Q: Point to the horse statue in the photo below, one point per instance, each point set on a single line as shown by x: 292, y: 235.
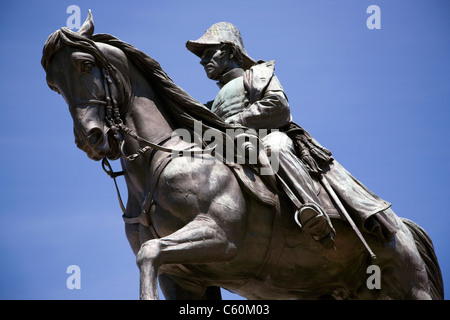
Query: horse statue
x: 192, y: 223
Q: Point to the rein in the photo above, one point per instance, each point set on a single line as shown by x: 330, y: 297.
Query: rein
x: 114, y: 83
x: 116, y: 124
x: 120, y: 130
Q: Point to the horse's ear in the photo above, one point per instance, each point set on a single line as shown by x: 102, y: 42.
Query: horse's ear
x: 87, y: 29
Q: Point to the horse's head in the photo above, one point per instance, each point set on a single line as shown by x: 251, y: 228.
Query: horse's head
x: 89, y: 75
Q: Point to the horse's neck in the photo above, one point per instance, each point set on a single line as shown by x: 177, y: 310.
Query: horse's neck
x: 146, y: 118
x: 146, y: 114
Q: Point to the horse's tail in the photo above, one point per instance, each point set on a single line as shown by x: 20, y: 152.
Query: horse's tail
x: 426, y: 250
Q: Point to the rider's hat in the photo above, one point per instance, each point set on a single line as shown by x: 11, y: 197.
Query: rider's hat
x: 222, y: 32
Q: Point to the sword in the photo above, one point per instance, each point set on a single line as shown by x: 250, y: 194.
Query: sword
x: 338, y: 202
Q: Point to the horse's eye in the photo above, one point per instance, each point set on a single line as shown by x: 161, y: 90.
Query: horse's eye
x: 87, y: 67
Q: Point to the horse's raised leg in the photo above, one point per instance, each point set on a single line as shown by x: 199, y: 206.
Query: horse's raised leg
x: 200, y: 241
x: 204, y: 199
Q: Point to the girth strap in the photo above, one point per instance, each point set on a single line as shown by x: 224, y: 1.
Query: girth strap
x: 145, y: 217
x: 109, y: 171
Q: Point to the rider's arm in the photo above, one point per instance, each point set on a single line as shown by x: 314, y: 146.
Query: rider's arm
x: 270, y: 112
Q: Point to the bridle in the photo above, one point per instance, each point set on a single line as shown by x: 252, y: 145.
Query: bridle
x: 120, y: 130
x: 113, y: 81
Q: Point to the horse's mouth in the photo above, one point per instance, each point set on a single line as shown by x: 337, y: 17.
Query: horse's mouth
x: 101, y: 145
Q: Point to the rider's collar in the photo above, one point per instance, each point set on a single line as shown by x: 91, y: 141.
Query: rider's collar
x: 230, y: 75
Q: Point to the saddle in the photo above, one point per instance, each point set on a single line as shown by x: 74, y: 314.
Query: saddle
x: 263, y: 191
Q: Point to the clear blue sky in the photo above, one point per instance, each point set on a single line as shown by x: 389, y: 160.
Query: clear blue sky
x: 379, y: 99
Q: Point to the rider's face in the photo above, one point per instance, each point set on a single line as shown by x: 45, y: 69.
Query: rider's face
x: 215, y: 61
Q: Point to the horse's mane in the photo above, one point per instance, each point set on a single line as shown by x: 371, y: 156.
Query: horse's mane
x: 183, y: 109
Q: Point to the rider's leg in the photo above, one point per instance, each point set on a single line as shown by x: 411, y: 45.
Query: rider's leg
x: 312, y: 217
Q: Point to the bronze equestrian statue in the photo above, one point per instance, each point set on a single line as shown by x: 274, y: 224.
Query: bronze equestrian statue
x: 197, y: 221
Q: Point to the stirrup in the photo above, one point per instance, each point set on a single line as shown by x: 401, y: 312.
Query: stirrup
x: 311, y: 218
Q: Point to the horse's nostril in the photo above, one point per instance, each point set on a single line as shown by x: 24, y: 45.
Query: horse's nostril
x: 94, y: 136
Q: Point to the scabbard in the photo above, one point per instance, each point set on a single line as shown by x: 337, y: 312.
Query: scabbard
x: 323, y: 180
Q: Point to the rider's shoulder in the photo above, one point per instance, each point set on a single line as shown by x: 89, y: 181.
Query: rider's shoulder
x: 261, y: 65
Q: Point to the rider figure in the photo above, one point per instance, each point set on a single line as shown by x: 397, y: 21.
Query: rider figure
x: 251, y: 95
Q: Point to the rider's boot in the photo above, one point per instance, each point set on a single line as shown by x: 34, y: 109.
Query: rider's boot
x: 312, y: 219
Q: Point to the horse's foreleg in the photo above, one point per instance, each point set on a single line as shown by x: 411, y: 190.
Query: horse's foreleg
x: 200, y: 241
